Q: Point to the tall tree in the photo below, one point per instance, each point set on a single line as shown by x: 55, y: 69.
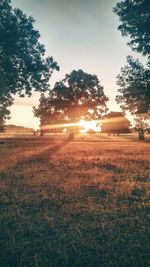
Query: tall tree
x: 134, y: 17
x: 134, y: 79
x: 79, y: 95
x: 5, y: 102
x: 23, y: 65
x: 47, y: 111
x: 142, y: 124
x: 134, y: 83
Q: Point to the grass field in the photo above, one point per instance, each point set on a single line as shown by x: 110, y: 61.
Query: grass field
x: 73, y: 204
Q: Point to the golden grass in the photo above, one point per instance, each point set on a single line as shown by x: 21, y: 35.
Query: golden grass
x: 74, y: 204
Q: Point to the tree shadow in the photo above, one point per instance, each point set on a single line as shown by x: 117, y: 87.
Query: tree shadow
x: 40, y: 157
x: 47, y: 153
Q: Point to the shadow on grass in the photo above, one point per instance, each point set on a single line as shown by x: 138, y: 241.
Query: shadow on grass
x: 39, y: 156
x: 45, y: 235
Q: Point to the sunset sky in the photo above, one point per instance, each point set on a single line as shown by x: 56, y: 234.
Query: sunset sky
x: 79, y: 34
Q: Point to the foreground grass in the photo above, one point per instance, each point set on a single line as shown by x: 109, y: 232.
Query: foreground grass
x: 74, y: 204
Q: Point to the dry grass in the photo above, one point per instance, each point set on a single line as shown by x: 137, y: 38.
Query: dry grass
x: 75, y: 204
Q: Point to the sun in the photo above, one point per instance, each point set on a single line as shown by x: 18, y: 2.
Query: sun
x: 89, y: 125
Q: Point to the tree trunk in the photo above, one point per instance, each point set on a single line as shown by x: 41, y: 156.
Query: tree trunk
x: 71, y: 136
x: 141, y: 136
x: 41, y: 133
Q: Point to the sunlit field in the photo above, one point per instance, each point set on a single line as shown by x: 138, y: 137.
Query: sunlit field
x: 84, y: 203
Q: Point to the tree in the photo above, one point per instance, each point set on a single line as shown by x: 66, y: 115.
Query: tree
x: 134, y: 79
x: 4, y: 111
x: 4, y: 114
x: 134, y: 16
x: 134, y: 83
x: 78, y: 95
x: 23, y: 65
x: 142, y: 124
x: 115, y: 123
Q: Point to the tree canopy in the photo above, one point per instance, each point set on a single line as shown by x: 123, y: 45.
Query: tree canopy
x: 23, y: 64
x: 134, y: 83
x: 78, y: 95
x: 134, y: 18
x: 134, y: 78
x: 142, y: 122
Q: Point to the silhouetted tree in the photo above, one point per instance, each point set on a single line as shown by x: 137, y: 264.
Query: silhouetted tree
x: 23, y: 65
x: 134, y: 17
x: 78, y: 95
x: 134, y: 79
x: 4, y: 112
x: 134, y: 83
x: 47, y: 112
x: 142, y: 124
x: 115, y: 123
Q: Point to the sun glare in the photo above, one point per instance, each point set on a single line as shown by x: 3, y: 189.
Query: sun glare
x: 89, y: 125
x: 83, y: 124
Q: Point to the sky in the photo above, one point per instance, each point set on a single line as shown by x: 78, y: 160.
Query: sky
x: 79, y: 34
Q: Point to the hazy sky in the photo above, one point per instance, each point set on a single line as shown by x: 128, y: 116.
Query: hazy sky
x: 78, y: 34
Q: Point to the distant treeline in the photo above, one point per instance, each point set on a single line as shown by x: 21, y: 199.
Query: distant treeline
x: 14, y: 129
